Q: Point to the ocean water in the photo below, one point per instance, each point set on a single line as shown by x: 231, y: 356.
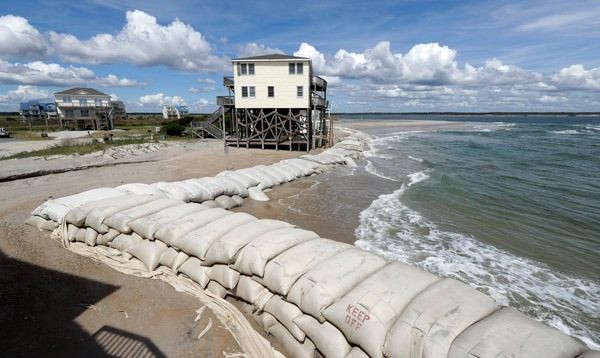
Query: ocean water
x: 509, y: 205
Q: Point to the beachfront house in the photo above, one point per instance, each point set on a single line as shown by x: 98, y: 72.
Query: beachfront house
x: 87, y: 108
x: 36, y: 110
x: 171, y: 112
x: 274, y: 101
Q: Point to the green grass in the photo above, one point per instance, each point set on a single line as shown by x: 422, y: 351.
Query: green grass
x: 68, y: 147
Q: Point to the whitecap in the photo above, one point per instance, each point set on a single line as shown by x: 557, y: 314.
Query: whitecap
x: 415, y: 159
x: 392, y: 229
x: 567, y: 131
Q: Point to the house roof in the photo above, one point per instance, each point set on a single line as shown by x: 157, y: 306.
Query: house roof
x: 270, y: 57
x: 82, y: 91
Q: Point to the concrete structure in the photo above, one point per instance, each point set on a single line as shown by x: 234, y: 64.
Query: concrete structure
x: 274, y: 100
x: 87, y: 108
x: 171, y: 112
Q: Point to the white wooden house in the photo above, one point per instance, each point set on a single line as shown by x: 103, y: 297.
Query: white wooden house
x: 87, y: 108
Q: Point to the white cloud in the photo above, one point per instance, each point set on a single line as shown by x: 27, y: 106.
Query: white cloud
x: 10, y: 100
x: 576, y: 77
x: 159, y: 99
x: 144, y: 42
x: 254, y: 49
x: 553, y: 99
x: 52, y: 74
x: 18, y: 39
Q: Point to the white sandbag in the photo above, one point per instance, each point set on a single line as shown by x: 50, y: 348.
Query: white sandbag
x: 264, y: 319
x: 148, y: 252
x: 366, y: 313
x: 197, y: 193
x: 167, y: 257
x: 238, y: 199
x: 264, y: 179
x: 226, y: 202
x: 509, y: 333
x: 254, y: 256
x: 274, y: 172
x: 216, y: 289
x: 41, y: 223
x: 173, y: 191
x: 120, y: 221
x: 331, y: 279
x: 225, y: 249
x: 433, y: 319
x: 125, y: 242
x: 285, y: 313
x: 307, y: 167
x: 214, y: 187
x: 171, y: 232
x: 57, y: 209
x: 234, y: 187
x: 77, y: 215
x: 294, y: 348
x: 51, y: 210
x: 197, y: 242
x: 291, y: 173
x: 104, y: 239
x: 95, y: 218
x: 90, y: 236
x: 193, y: 269
x: 252, y: 292
x: 357, y: 353
x: 71, y: 232
x: 589, y: 354
x: 224, y: 275
x: 147, y: 226
x: 286, y: 268
x: 141, y: 189
x: 179, y: 260
x: 228, y: 187
x: 257, y: 194
x: 350, y: 162
x: 211, y: 204
x: 80, y: 235
x: 328, y: 339
x: 239, y: 177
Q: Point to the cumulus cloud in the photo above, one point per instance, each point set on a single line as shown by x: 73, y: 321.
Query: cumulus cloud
x: 10, y: 100
x: 144, y: 42
x: 159, y: 99
x: 254, y: 49
x: 52, y: 74
x: 577, y: 77
x: 18, y: 39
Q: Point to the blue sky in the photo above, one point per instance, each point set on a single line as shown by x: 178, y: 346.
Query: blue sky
x: 377, y: 56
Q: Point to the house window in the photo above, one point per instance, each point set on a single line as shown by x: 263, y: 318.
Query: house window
x: 97, y: 102
x: 82, y: 101
x: 299, y: 69
x: 244, y: 91
x: 252, y: 91
x: 300, y: 91
x: 250, y: 68
x: 292, y: 67
x: 66, y: 99
x: 244, y: 69
x: 85, y: 113
x: 69, y: 113
x: 271, y: 91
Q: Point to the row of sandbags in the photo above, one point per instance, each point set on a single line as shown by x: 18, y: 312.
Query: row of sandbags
x: 314, y: 295
x: 226, y: 190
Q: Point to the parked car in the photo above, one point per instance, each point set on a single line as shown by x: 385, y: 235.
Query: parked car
x: 4, y: 133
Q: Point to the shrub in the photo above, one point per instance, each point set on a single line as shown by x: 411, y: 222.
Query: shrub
x: 174, y: 129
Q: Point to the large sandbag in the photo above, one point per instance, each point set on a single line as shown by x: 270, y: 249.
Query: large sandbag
x: 41, y: 223
x: 357, y: 353
x: 277, y: 174
x: 148, y: 252
x: 77, y: 215
x: 211, y: 204
x: 508, y: 333
x: 286, y: 268
x: 589, y: 354
x: 52, y: 210
x: 57, y: 209
x: 224, y: 275
x: 233, y: 186
x: 226, y: 202
x: 79, y: 235
x: 238, y: 200
x: 104, y: 239
x: 331, y: 279
x: 285, y: 313
x: 328, y: 339
x: 252, y: 292
x: 90, y: 236
x: 225, y: 249
x: 120, y: 221
x: 173, y: 191
x: 216, y: 289
x: 264, y: 180
x: 147, y: 226
x: 95, y: 218
x: 142, y: 189
x: 71, y: 231
x: 432, y: 320
x: 226, y: 187
x: 125, y: 242
x: 167, y: 257
x: 197, y: 242
x: 305, y: 166
x: 193, y: 269
x: 171, y: 232
x: 254, y: 256
x: 366, y: 313
x: 291, y: 173
x: 257, y: 194
x: 243, y: 179
x: 197, y: 192
x: 294, y: 348
x: 214, y: 187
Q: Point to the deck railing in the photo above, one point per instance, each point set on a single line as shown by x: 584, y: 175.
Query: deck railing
x: 319, y: 82
x: 228, y: 81
x: 318, y: 101
x: 225, y: 100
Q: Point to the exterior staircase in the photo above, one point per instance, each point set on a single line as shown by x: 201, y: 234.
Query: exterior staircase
x: 208, y: 126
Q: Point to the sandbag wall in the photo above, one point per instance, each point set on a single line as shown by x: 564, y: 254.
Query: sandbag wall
x: 315, y: 295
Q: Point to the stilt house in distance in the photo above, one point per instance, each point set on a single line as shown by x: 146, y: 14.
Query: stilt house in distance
x: 274, y: 101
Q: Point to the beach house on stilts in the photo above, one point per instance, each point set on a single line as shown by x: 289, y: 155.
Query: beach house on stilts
x: 274, y: 102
